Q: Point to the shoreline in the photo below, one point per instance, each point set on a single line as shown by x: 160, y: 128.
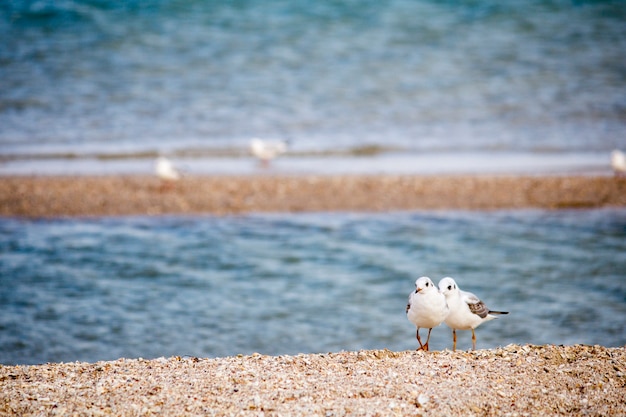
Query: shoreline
x: 355, y: 161
x: 59, y: 196
x: 515, y: 380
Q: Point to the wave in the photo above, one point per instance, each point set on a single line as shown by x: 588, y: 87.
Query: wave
x: 192, y: 153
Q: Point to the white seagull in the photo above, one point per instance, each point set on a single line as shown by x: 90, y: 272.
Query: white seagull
x: 165, y: 170
x: 618, y: 162
x: 467, y: 312
x: 266, y: 150
x: 426, y: 308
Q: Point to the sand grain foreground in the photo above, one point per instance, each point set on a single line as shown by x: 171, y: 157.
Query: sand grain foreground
x: 137, y: 195
x: 514, y: 380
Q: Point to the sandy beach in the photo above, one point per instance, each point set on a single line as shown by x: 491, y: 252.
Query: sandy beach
x: 514, y: 380
x: 138, y: 195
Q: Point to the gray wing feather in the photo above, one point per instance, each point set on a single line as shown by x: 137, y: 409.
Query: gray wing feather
x: 479, y: 308
x: 475, y: 305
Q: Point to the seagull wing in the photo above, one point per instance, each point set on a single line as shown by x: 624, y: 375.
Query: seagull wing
x: 475, y: 305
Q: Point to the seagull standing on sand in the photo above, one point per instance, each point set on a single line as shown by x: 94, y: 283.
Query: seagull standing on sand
x: 426, y: 308
x: 467, y: 312
x: 618, y: 162
x: 265, y: 150
x: 165, y: 170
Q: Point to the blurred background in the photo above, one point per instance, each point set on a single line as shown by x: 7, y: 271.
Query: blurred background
x: 370, y: 86
x: 88, y: 85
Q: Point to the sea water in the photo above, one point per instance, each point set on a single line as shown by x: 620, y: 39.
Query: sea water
x: 103, y: 288
x: 84, y: 80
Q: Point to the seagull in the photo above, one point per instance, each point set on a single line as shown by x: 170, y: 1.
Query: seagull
x: 618, y: 162
x: 467, y: 312
x: 165, y: 170
x: 426, y: 308
x: 265, y: 150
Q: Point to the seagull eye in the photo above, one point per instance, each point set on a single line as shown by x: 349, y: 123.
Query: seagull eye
x: 427, y: 284
x: 449, y: 287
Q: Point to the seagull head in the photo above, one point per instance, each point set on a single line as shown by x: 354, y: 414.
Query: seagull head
x: 423, y: 285
x: 447, y: 286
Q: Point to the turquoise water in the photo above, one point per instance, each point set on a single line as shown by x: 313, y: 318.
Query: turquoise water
x: 104, y: 288
x: 129, y: 78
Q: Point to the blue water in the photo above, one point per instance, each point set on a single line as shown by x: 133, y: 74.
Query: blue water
x: 189, y: 78
x: 104, y: 288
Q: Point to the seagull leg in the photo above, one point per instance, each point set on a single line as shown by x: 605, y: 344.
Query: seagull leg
x: 420, y: 340
x: 453, y: 340
x: 427, y: 339
x: 473, y: 340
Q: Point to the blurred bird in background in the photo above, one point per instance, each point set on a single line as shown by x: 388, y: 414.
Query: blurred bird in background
x: 266, y: 150
x: 618, y: 162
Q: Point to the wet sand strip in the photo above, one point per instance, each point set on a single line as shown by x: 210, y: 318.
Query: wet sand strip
x: 143, y: 195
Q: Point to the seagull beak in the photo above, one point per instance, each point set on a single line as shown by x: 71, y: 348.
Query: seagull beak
x: 417, y: 290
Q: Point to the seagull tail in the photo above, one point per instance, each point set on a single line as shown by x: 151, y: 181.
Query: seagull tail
x: 498, y: 312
